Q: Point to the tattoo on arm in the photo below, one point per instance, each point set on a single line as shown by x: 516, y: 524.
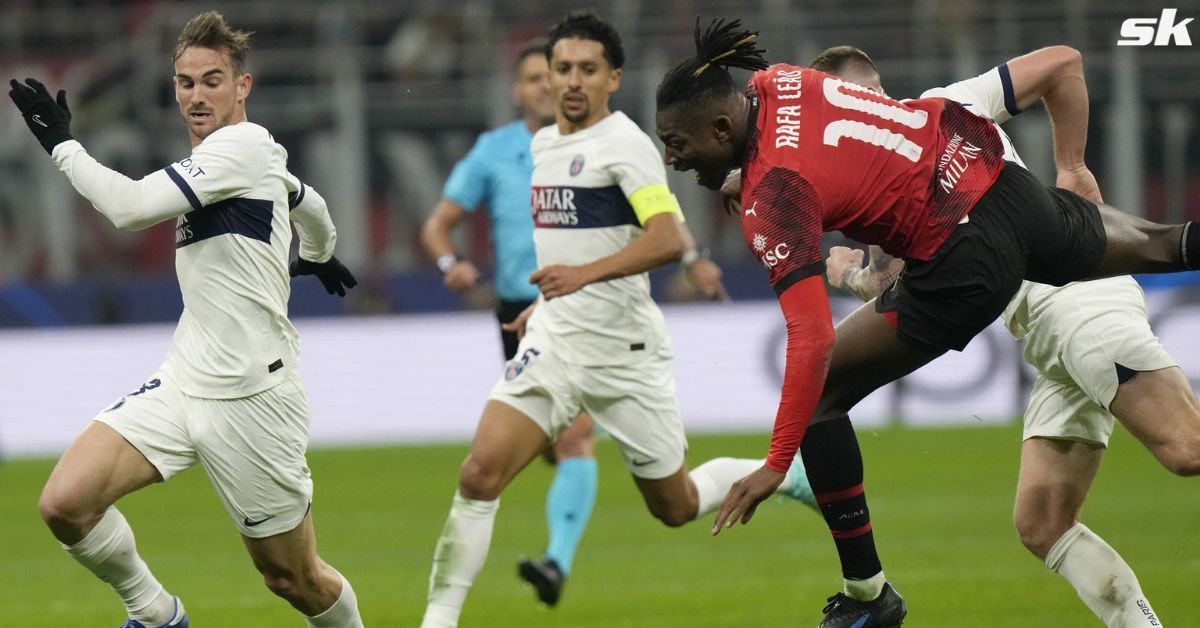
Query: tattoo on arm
x: 878, y: 259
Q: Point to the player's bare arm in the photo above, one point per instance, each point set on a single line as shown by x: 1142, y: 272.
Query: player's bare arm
x: 1055, y: 76
x: 661, y: 243
x: 459, y: 274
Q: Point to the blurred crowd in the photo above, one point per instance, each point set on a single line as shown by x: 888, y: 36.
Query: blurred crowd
x: 376, y: 101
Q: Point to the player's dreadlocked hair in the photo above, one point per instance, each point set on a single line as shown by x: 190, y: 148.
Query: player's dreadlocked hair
x: 722, y: 45
x: 210, y: 30
x: 587, y: 25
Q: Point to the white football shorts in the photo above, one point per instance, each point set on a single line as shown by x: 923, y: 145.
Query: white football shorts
x: 251, y: 448
x: 1076, y: 340
x: 634, y: 403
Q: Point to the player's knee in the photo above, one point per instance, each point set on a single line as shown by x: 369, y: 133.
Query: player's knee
x: 59, y: 511
x: 672, y: 515
x: 478, y: 481
x: 1180, y: 458
x: 292, y: 585
x: 1040, y: 529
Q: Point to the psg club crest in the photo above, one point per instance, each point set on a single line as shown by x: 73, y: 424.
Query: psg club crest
x: 513, y: 369
x: 576, y: 165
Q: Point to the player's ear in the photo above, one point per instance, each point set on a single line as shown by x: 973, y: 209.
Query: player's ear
x: 722, y: 127
x: 614, y: 81
x: 244, y: 83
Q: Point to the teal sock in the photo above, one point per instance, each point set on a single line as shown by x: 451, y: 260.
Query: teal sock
x: 568, y: 507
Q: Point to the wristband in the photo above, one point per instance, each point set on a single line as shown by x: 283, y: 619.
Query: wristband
x: 446, y: 261
x: 693, y: 255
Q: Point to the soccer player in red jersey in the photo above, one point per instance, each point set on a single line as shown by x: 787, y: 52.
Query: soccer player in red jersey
x: 926, y: 181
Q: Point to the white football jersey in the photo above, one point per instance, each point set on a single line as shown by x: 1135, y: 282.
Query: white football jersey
x: 991, y: 95
x: 231, y: 199
x: 582, y: 183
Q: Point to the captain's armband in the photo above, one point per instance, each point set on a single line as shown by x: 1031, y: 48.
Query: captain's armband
x: 652, y: 200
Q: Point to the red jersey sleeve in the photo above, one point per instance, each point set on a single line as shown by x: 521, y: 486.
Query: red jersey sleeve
x: 809, y: 345
x: 782, y: 225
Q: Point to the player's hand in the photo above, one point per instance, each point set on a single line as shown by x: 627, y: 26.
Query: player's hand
x: 1081, y: 181
x: 49, y: 119
x: 731, y: 191
x: 462, y: 276
x: 842, y: 261
x: 333, y: 274
x: 517, y: 326
x: 744, y: 497
x: 558, y: 280
x: 705, y: 277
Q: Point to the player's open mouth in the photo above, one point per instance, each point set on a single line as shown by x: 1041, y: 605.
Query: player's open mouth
x: 198, y: 116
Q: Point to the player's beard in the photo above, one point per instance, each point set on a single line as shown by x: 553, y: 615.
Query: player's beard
x: 712, y: 177
x: 575, y: 117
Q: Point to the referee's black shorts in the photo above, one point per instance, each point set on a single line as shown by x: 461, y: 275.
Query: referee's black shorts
x: 507, y: 312
x: 1020, y: 229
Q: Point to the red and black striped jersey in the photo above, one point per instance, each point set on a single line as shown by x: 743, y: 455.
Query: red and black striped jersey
x: 828, y: 155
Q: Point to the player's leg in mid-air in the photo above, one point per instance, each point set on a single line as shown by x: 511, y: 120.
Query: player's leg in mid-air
x: 99, y: 468
x: 636, y: 406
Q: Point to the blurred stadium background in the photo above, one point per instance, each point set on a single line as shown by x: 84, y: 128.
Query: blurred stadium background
x: 375, y: 101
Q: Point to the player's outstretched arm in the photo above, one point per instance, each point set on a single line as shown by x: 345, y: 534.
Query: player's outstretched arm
x: 661, y: 243
x: 128, y: 204
x: 809, y: 346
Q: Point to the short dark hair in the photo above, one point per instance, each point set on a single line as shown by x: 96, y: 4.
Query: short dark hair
x: 528, y: 49
x: 210, y: 30
x: 587, y: 25
x: 839, y: 59
x: 705, y: 76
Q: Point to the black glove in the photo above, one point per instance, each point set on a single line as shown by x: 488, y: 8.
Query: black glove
x: 50, y: 121
x: 333, y: 274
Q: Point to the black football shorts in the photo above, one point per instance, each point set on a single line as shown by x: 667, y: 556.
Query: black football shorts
x: 1019, y: 229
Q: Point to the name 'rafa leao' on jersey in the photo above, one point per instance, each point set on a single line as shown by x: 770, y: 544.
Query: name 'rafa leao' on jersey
x: 828, y: 155
x: 592, y: 190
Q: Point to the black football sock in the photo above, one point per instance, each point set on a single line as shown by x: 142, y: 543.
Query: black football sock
x: 835, y: 471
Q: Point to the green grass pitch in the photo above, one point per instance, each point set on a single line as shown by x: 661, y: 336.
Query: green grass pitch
x: 941, y: 503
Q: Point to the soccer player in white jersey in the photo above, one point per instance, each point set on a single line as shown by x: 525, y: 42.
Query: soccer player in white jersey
x: 594, y: 340
x: 1090, y: 342
x: 228, y: 395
